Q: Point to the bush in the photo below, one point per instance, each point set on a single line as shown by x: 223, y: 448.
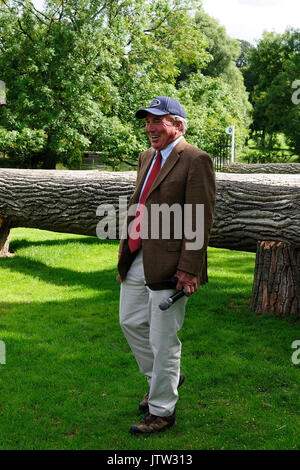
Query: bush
x: 265, y: 156
x: 19, y: 146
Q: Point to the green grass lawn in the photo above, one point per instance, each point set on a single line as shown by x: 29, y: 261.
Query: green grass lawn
x: 71, y: 382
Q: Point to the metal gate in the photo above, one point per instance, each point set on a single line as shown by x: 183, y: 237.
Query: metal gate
x: 221, y: 153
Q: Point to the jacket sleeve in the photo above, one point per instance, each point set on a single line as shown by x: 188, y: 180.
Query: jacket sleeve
x: 200, y: 189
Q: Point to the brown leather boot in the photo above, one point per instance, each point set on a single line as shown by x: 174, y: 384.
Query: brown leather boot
x: 151, y: 423
x: 144, y: 407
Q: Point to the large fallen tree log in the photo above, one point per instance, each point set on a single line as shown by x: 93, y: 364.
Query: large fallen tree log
x: 60, y: 201
x: 289, y: 168
x: 256, y: 207
x: 249, y: 208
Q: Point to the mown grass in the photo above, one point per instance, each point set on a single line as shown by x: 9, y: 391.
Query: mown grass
x: 71, y: 382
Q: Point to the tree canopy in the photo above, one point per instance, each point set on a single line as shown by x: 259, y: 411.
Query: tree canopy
x: 271, y: 69
x: 76, y: 72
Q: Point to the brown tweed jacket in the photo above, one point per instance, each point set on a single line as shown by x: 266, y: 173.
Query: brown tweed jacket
x: 187, y: 177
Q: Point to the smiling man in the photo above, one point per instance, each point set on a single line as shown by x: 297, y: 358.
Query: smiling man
x: 162, y: 130
x: 170, y: 172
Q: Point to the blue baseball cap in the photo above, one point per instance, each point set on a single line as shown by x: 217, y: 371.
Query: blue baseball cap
x: 161, y: 106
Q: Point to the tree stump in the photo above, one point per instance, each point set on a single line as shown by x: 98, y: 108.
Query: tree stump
x: 4, y: 238
x: 276, y: 286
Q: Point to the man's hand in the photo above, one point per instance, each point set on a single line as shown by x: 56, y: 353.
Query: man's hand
x: 186, y: 281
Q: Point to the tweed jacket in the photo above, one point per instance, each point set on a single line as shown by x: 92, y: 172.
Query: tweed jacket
x: 187, y: 177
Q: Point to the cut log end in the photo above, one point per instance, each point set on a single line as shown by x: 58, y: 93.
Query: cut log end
x: 276, y: 286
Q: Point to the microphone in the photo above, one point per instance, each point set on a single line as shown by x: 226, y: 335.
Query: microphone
x: 165, y: 304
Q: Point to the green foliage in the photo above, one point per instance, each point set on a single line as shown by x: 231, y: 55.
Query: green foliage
x: 246, y: 49
x: 215, y: 95
x: 264, y: 155
x: 272, y: 68
x: 267, y: 148
x: 223, y: 49
x: 211, y: 105
x: 76, y: 72
x: 24, y: 144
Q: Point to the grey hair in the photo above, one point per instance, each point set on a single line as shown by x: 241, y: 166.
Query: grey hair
x: 181, y: 119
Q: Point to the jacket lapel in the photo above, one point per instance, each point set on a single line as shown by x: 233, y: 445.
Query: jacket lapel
x: 171, y: 161
x: 148, y: 159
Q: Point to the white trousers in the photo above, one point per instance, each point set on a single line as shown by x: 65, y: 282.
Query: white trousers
x: 152, y: 336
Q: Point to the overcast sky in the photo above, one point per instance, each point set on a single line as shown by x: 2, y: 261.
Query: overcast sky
x: 247, y: 19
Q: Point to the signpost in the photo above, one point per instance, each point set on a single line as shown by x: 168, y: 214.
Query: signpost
x: 230, y: 130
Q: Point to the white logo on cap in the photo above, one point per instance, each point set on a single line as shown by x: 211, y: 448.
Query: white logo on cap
x: 154, y: 103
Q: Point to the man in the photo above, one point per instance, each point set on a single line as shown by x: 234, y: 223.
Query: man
x: 175, y: 173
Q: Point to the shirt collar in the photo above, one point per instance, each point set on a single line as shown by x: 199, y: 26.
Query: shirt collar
x: 168, y: 149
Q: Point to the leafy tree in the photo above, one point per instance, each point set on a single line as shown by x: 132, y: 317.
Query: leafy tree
x: 23, y: 144
x: 246, y: 49
x: 217, y: 91
x: 272, y: 68
x: 79, y: 67
x: 212, y: 104
x: 282, y: 114
x: 223, y: 49
x: 76, y: 72
x: 44, y: 65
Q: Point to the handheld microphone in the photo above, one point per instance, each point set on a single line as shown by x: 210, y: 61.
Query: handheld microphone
x: 165, y: 304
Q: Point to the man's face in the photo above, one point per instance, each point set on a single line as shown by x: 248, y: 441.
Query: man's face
x: 162, y: 130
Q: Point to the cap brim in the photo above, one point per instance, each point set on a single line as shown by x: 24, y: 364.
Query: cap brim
x: 142, y: 113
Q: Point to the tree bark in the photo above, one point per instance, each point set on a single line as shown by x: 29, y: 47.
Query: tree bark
x: 61, y: 201
x: 248, y: 207
x: 288, y: 168
x: 276, y: 286
x: 4, y: 238
x: 255, y: 207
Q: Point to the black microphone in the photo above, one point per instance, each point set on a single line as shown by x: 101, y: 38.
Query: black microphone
x: 165, y: 304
